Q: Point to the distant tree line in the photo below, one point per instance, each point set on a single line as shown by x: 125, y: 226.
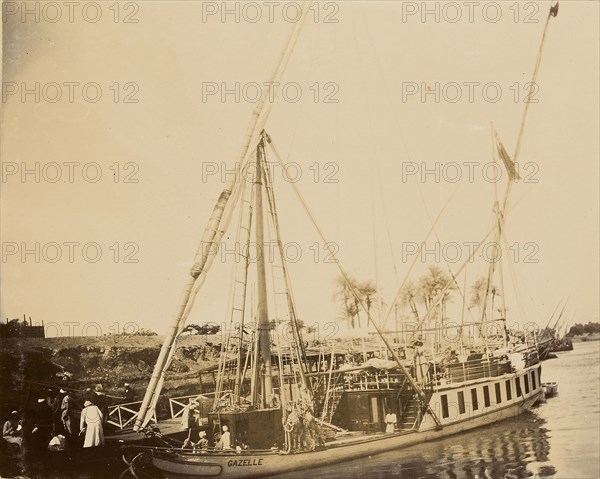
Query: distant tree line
x: 417, y: 296
x: 580, y: 329
x: 138, y: 332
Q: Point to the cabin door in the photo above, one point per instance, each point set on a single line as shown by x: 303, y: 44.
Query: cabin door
x: 375, y: 410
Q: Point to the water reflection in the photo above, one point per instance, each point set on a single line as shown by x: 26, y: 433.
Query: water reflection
x: 497, y: 451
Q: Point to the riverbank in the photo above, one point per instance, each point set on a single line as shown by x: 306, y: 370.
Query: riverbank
x: 585, y: 338
x: 28, y: 364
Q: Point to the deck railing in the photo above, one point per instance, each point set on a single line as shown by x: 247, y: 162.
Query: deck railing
x: 373, y: 381
x: 473, y: 369
x: 123, y: 415
x: 178, y: 405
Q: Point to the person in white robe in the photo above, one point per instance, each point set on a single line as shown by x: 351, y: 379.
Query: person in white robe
x: 390, y: 421
x: 91, y: 423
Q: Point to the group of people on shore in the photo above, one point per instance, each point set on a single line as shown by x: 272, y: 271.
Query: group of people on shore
x: 57, y: 424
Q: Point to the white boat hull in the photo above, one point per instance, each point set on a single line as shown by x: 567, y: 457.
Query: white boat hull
x: 180, y: 464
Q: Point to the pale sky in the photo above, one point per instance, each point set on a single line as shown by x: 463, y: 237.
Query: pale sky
x: 370, y: 61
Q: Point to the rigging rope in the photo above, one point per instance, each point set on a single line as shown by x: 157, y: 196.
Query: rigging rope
x: 415, y: 386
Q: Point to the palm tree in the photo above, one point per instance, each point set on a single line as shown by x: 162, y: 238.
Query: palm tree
x: 349, y: 303
x: 478, y: 293
x: 478, y: 290
x: 409, y: 296
x: 368, y: 293
x: 431, y: 286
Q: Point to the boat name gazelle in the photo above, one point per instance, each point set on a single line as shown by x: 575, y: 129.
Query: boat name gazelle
x: 245, y: 462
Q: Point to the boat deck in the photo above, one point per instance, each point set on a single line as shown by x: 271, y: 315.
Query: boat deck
x: 168, y: 427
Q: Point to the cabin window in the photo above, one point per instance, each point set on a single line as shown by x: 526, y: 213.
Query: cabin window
x: 518, y: 384
x: 498, y: 393
x: 526, y: 377
x: 533, y: 382
x: 358, y: 409
x: 474, y: 399
x: 461, y: 402
x: 445, y: 412
x: 508, y: 390
x: 486, y: 396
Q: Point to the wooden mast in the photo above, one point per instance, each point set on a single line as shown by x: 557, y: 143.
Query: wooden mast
x: 211, y: 232
x: 263, y: 375
x: 501, y: 213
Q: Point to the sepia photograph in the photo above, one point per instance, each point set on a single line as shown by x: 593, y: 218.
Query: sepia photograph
x: 300, y: 239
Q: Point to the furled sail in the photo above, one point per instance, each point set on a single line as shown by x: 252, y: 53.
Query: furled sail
x: 209, y: 243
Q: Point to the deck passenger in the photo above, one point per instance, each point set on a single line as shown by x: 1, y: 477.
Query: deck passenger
x: 313, y: 435
x: 190, y: 416
x: 203, y: 441
x: 274, y: 401
x: 225, y: 438
x: 390, y: 420
x: 292, y: 426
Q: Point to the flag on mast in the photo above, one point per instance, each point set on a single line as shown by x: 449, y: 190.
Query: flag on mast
x: 554, y: 10
x: 508, y: 162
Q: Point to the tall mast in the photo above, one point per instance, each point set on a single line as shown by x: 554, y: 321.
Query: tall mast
x: 263, y: 371
x: 288, y: 290
x: 211, y: 233
x: 501, y: 213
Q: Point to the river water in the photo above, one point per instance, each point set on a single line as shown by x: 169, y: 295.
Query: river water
x: 558, y: 439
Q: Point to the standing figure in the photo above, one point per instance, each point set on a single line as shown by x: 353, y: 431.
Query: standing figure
x: 43, y: 422
x: 129, y: 394
x: 91, y: 424
x: 292, y: 426
x: 226, y: 438
x: 313, y: 434
x: 88, y: 395
x: 101, y: 401
x: 189, y: 419
x: 57, y: 425
x: 390, y: 421
x: 66, y: 408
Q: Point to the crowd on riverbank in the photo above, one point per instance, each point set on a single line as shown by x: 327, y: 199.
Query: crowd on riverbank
x: 63, y: 419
